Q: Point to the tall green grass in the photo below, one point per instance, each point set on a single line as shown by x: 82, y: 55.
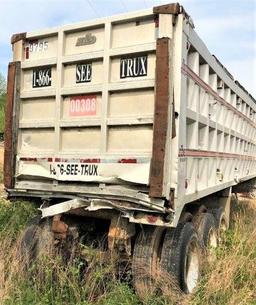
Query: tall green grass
x: 230, y: 280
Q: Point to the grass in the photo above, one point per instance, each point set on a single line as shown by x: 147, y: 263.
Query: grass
x: 230, y: 280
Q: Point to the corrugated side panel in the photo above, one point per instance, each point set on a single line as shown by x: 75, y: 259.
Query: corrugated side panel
x: 87, y: 103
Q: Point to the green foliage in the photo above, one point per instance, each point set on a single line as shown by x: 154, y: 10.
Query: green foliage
x: 2, y: 101
x: 228, y: 280
x: 2, y: 85
x: 120, y: 294
x: 2, y: 109
x: 14, y: 217
x: 50, y: 283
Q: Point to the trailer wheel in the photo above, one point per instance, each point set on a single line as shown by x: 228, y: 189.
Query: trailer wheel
x: 146, y: 258
x: 29, y: 240
x: 181, y: 255
x: 207, y: 231
x: 45, y: 243
x: 37, y: 240
x: 221, y: 222
x: 220, y: 219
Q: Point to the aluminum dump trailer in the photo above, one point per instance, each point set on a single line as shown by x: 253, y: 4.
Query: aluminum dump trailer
x: 131, y: 119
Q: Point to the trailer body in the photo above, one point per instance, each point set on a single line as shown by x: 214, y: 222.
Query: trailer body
x: 129, y: 113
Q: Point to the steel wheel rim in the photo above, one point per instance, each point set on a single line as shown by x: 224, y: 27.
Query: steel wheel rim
x: 222, y: 229
x: 213, y: 240
x: 212, y: 245
x: 192, y: 267
x: 223, y: 226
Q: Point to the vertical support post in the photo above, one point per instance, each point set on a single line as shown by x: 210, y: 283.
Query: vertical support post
x: 225, y: 202
x: 105, y: 92
x: 161, y: 117
x: 13, y: 94
x: 58, y: 97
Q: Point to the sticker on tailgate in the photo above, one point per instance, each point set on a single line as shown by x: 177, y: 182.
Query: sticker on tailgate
x: 83, y: 105
x: 134, y: 66
x: 36, y: 46
x: 42, y: 77
x: 73, y: 169
x: 83, y: 73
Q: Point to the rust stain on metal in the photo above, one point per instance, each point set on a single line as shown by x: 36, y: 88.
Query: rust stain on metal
x: 160, y: 118
x: 120, y: 233
x: 8, y: 143
x: 152, y: 218
x: 59, y: 227
x: 171, y: 198
x: 17, y: 37
x: 173, y: 8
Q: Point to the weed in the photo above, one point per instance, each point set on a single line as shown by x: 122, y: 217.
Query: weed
x: 229, y: 280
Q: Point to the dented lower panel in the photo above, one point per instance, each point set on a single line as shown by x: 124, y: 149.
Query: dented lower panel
x: 131, y: 212
x: 134, y: 198
x: 134, y: 170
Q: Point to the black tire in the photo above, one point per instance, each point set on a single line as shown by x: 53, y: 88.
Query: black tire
x: 37, y: 240
x: 220, y: 218
x: 45, y: 242
x: 146, y: 258
x: 178, y: 245
x: 207, y: 231
x: 29, y: 240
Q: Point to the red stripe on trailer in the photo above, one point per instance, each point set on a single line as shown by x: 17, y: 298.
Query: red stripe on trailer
x: 90, y: 161
x: 27, y: 52
x: 127, y: 161
x: 95, y: 160
x: 28, y: 159
x: 61, y: 160
x: 212, y: 154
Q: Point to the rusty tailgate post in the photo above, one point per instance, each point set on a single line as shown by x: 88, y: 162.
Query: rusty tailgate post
x: 162, y: 96
x: 17, y: 37
x: 172, y: 8
x: 13, y: 93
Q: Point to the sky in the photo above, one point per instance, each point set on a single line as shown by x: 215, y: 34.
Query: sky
x: 228, y: 27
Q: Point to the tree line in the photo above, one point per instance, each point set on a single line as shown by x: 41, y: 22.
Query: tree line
x: 2, y: 103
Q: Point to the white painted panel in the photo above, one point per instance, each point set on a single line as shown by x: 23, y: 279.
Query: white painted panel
x: 32, y: 140
x: 80, y: 139
x: 128, y: 139
x: 69, y: 78
x: 37, y: 109
x: 115, y: 69
x: 68, y: 103
x: 131, y: 103
x: 27, y: 80
x: 42, y: 48
x: 84, y: 41
x: 139, y: 32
